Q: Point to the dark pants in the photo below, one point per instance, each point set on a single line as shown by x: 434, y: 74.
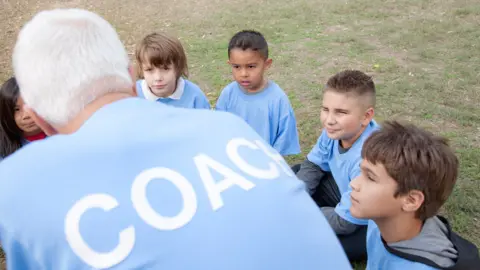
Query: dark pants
x: 327, y: 194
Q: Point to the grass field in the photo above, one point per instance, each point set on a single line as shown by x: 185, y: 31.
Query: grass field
x: 424, y: 57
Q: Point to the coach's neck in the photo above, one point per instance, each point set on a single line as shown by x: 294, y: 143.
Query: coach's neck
x: 75, y: 124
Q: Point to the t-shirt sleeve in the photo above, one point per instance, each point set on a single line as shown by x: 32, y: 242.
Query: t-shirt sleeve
x: 286, y: 141
x: 222, y: 100
x: 202, y: 102
x: 321, y: 152
x: 343, y: 207
x: 138, y: 88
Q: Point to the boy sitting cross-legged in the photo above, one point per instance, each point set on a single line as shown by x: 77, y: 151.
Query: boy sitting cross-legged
x: 407, y: 175
x: 347, y: 118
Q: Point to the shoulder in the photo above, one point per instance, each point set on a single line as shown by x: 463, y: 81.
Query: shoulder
x: 325, y: 141
x: 228, y: 90
x: 138, y: 87
x: 34, y: 156
x: 192, y: 86
x: 275, y: 90
x: 357, y: 147
x: 230, y: 87
x: 139, y: 84
x: 371, y: 128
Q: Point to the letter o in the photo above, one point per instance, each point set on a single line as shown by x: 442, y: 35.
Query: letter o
x: 148, y: 214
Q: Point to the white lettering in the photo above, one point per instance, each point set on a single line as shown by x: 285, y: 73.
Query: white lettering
x: 78, y: 245
x: 204, y: 164
x: 276, y: 157
x: 148, y: 214
x: 232, y: 152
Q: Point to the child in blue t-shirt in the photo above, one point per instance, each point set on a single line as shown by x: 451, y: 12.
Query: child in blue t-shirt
x: 260, y: 102
x: 347, y: 118
x: 17, y: 128
x: 162, y: 63
x: 407, y: 174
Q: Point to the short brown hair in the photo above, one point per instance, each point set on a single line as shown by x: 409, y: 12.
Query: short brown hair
x: 353, y: 82
x: 417, y: 160
x: 160, y: 50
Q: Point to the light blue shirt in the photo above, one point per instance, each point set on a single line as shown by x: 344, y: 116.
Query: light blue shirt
x: 344, y: 167
x: 268, y: 112
x: 142, y: 185
x: 380, y: 258
x: 186, y: 95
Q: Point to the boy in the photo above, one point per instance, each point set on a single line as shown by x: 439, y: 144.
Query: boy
x: 347, y: 118
x: 407, y: 175
x: 164, y: 71
x: 260, y: 102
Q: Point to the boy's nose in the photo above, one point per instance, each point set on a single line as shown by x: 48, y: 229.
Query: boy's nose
x: 244, y: 73
x: 354, y: 184
x: 330, y: 119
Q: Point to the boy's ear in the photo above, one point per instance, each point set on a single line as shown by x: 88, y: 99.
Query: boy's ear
x: 413, y: 201
x: 369, y: 114
x: 268, y: 63
x: 228, y: 62
x: 40, y: 122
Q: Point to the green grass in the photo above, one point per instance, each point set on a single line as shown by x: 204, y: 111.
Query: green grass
x: 424, y: 56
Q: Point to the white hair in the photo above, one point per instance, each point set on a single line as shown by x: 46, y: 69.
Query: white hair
x: 66, y: 58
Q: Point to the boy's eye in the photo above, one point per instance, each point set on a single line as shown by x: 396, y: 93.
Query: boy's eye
x: 148, y: 69
x: 235, y: 66
x: 324, y: 109
x: 17, y: 109
x: 252, y: 66
x: 370, y: 178
x: 166, y: 68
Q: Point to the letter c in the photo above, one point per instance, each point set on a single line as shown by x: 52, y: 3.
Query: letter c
x: 81, y: 249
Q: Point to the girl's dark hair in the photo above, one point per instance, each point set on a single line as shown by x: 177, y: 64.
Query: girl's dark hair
x: 10, y: 133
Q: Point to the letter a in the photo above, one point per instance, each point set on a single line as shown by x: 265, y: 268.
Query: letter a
x: 204, y: 164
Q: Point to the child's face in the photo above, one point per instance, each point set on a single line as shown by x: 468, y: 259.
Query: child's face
x: 342, y: 115
x: 161, y: 80
x: 248, y: 67
x: 23, y: 120
x: 373, y: 193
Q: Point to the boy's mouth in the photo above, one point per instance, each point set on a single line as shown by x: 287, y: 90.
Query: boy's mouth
x: 353, y: 199
x: 331, y: 130
x: 245, y: 83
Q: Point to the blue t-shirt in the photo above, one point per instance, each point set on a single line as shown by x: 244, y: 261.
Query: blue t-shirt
x: 380, y: 258
x: 268, y: 112
x: 186, y: 95
x: 343, y: 166
x: 142, y: 185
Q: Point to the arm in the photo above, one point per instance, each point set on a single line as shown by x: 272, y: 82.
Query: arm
x: 311, y: 174
x: 338, y: 224
x: 222, y: 101
x: 202, y: 102
x: 286, y: 141
x: 343, y: 207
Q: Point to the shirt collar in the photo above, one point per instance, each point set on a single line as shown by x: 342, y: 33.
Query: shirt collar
x: 177, y: 94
